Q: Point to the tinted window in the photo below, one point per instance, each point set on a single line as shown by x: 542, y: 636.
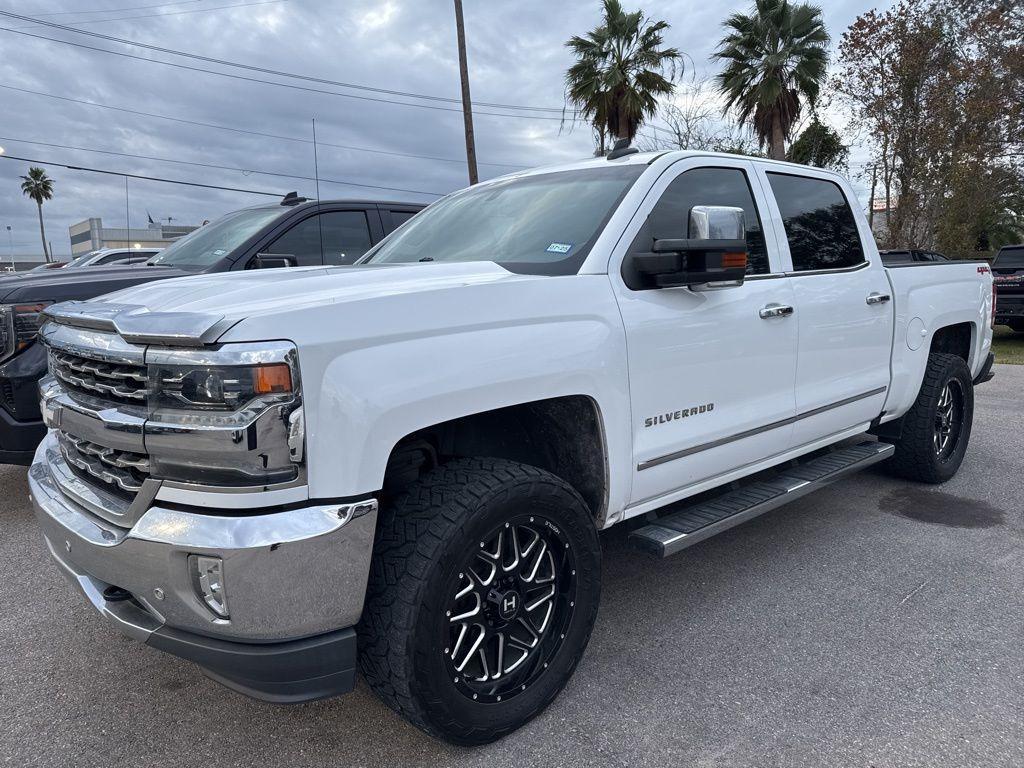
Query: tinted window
x: 399, y: 218
x: 897, y: 257
x: 820, y: 227
x: 1009, y: 258
x: 542, y: 223
x: 346, y: 236
x: 705, y: 186
x: 301, y: 243
x: 112, y: 258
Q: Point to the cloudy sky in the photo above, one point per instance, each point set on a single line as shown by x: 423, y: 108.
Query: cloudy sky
x: 259, y: 133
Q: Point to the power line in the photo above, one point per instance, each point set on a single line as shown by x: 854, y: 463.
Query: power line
x: 117, y: 10
x: 342, y: 182
x: 158, y: 15
x: 138, y: 176
x: 258, y: 80
x: 245, y: 130
x: 277, y: 73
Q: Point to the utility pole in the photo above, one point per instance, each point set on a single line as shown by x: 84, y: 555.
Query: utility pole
x: 467, y: 106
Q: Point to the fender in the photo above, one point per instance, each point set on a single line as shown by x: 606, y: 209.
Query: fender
x: 375, y: 371
x: 929, y: 294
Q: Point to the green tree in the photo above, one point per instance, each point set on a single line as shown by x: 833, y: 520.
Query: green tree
x: 819, y: 145
x: 774, y: 57
x: 621, y: 69
x: 38, y: 186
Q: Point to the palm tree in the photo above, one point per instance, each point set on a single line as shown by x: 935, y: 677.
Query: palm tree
x: 620, y: 72
x: 39, y: 187
x: 774, y: 57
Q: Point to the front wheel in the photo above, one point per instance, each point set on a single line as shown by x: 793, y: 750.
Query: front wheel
x: 482, y: 596
x: 937, y: 428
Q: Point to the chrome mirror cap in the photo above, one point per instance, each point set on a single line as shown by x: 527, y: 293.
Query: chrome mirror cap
x: 716, y: 222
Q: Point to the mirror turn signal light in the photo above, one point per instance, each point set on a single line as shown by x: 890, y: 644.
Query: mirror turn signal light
x: 734, y: 260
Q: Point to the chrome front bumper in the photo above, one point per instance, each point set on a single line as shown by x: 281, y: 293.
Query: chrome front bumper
x: 291, y: 574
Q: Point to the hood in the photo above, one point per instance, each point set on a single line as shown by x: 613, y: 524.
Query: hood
x: 84, y: 283
x: 198, y: 309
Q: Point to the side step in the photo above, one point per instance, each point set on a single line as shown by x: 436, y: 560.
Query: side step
x: 684, y: 524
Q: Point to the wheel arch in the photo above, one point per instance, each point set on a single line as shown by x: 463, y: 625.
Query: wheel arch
x: 563, y: 435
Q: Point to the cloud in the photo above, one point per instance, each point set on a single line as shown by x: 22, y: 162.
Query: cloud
x: 516, y: 57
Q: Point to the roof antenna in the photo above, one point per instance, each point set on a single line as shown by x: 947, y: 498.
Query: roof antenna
x: 316, y: 174
x: 621, y: 149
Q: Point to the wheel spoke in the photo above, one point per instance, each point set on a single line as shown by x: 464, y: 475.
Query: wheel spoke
x: 472, y: 649
x: 548, y: 594
x: 478, y: 603
x: 536, y: 565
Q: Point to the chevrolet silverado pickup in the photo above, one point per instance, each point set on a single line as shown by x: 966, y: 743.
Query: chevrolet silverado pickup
x: 402, y: 466
x: 285, y: 234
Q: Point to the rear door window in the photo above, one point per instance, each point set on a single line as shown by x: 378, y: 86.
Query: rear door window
x: 346, y: 236
x: 820, y: 225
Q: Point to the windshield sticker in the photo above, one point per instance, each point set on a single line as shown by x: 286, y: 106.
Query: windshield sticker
x: 559, y: 247
x: 219, y: 252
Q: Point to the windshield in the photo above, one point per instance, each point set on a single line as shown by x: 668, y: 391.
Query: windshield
x: 542, y: 224
x: 212, y: 242
x: 1009, y: 258
x: 80, y: 260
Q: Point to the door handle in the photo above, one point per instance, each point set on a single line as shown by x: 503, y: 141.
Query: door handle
x: 775, y: 310
x: 877, y: 298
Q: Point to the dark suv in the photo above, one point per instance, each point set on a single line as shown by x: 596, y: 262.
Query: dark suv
x: 295, y: 232
x: 1008, y: 277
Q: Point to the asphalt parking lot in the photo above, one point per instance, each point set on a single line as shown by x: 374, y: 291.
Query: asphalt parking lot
x: 875, y: 623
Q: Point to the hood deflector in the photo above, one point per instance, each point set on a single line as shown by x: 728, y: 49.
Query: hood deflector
x: 136, y: 324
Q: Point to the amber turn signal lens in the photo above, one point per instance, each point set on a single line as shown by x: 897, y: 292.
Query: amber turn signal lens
x: 271, y: 379
x: 734, y: 260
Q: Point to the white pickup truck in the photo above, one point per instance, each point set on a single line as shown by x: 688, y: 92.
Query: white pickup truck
x: 403, y: 465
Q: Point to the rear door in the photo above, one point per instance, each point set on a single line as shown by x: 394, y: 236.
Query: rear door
x: 843, y: 305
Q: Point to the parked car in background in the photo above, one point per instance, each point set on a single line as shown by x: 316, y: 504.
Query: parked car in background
x: 110, y: 256
x: 47, y: 266
x: 1008, y: 273
x: 408, y: 462
x: 296, y: 232
x: 898, y: 256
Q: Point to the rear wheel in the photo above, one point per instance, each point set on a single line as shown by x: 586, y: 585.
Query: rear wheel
x: 937, y: 428
x: 483, y: 592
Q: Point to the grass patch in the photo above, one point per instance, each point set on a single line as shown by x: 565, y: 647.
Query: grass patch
x: 1008, y: 346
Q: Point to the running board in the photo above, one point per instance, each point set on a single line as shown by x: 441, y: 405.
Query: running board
x: 684, y: 525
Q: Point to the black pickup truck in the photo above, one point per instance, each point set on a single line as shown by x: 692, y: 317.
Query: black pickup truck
x: 296, y: 232
x: 1008, y: 279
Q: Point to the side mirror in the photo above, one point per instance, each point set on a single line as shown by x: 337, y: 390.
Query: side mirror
x: 714, y: 253
x: 272, y: 261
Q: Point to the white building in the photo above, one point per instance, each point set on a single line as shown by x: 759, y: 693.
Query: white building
x: 90, y: 235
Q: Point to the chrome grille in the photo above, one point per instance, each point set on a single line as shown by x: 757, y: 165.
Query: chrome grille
x: 121, y: 469
x: 119, y: 382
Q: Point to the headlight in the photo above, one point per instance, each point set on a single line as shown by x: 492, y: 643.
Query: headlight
x: 218, y: 388
x: 19, y: 324
x: 226, y: 416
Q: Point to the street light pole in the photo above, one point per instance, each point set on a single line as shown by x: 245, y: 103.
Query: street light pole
x: 10, y: 243
x: 467, y: 105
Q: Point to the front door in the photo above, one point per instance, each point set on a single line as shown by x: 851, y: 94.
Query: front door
x: 708, y: 375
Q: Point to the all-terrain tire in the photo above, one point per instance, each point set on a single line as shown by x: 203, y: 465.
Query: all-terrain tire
x: 917, y: 456
x: 423, y: 541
